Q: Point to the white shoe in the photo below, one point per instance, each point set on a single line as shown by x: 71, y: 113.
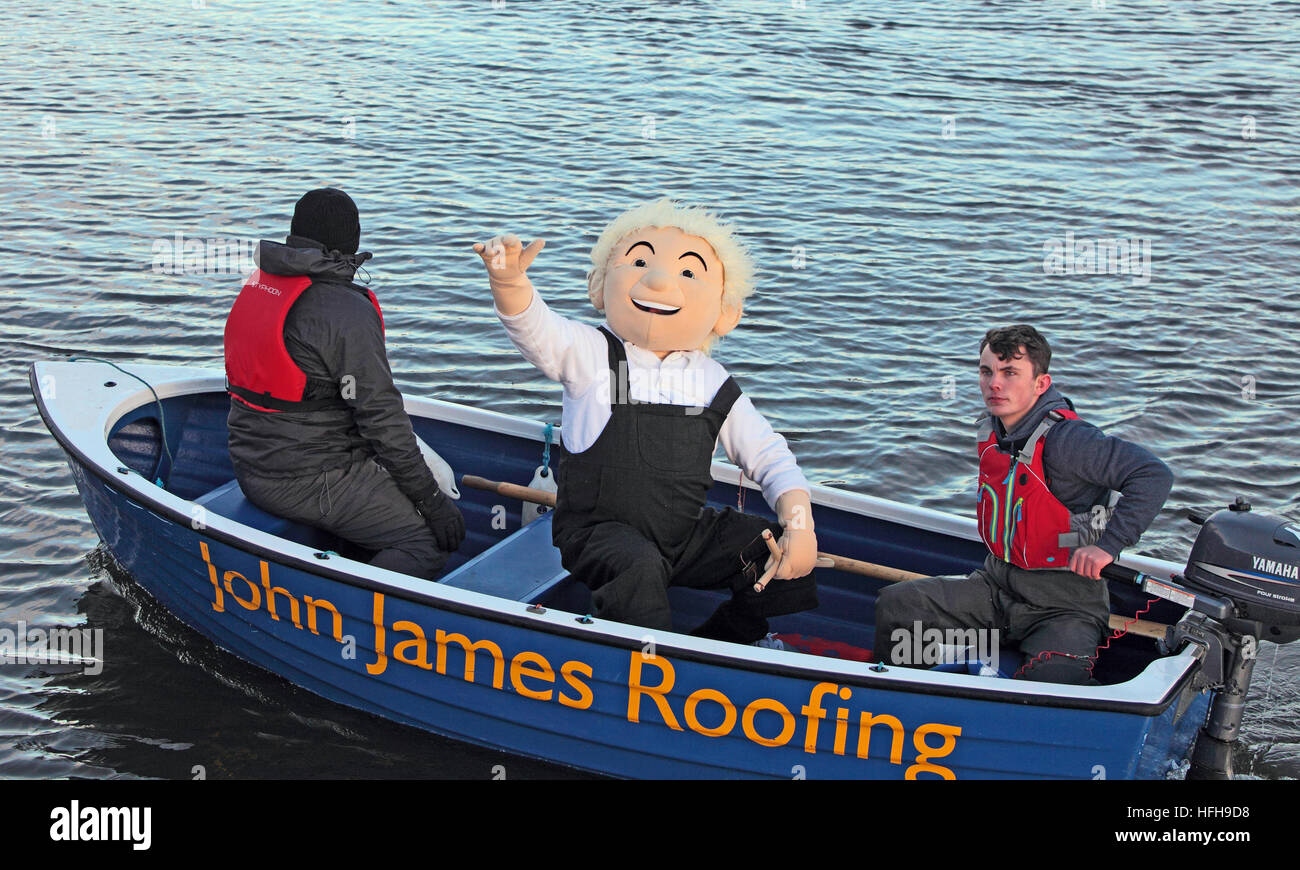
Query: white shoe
x: 769, y: 642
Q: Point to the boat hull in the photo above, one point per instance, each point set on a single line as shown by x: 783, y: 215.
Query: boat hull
x: 549, y: 683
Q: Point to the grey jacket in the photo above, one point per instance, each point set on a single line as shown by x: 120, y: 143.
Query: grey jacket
x: 1083, y: 463
x: 334, y: 335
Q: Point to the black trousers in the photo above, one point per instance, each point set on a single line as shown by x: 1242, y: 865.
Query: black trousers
x: 1058, y: 618
x: 629, y: 576
x: 360, y: 504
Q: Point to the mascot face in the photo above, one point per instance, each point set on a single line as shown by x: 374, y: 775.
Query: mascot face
x: 663, y: 291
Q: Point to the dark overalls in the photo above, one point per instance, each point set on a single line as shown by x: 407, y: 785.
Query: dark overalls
x: 630, y: 519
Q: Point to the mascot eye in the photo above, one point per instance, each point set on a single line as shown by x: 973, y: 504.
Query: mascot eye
x: 688, y: 273
x: 639, y: 261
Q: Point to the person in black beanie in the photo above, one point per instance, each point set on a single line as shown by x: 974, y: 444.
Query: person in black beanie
x: 329, y: 216
x: 317, y: 430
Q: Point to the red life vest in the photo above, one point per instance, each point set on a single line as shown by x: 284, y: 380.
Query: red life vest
x: 1019, y: 519
x: 259, y: 371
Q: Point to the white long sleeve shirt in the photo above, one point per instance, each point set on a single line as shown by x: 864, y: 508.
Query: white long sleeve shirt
x: 577, y: 355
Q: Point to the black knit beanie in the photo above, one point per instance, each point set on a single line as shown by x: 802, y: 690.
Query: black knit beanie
x: 329, y: 216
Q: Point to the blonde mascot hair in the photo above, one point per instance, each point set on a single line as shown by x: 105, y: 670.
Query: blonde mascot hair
x: 737, y: 264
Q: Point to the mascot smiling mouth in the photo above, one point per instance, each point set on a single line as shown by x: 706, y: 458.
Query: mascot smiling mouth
x: 654, y: 307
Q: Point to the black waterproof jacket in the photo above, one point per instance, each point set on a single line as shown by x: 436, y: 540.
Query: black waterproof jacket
x: 334, y: 335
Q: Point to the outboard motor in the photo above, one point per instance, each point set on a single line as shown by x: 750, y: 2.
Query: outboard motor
x: 1253, y: 560
x: 1242, y: 585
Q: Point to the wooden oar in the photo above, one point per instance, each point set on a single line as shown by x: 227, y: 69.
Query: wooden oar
x: 509, y: 490
x: 1141, y: 627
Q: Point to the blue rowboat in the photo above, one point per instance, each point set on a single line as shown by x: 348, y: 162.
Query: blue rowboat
x: 501, y: 653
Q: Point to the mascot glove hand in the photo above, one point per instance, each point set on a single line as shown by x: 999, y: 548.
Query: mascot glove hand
x: 444, y: 520
x: 798, y: 554
x: 507, y: 259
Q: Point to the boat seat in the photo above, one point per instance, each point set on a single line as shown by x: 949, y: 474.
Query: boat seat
x: 229, y: 501
x: 522, y: 567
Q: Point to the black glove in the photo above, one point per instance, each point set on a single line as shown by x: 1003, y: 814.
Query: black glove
x: 444, y: 519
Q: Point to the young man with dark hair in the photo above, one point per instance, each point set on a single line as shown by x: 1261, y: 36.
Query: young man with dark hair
x: 1044, y: 478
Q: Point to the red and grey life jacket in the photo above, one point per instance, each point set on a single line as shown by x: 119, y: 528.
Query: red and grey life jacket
x: 1019, y: 519
x: 259, y: 371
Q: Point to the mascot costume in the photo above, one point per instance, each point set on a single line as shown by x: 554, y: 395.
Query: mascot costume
x: 645, y: 407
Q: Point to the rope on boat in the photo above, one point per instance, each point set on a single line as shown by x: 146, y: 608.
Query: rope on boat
x: 546, y: 451
x: 162, y: 419
x: 1119, y: 632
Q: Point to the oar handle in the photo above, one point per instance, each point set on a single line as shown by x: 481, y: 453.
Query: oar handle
x: 867, y: 569
x: 509, y: 490
x: 840, y: 563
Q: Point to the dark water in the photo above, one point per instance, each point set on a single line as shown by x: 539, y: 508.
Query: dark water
x: 900, y: 169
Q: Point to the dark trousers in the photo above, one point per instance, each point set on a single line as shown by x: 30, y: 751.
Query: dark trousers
x: 360, y: 504
x: 1058, y: 618
x: 629, y: 576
